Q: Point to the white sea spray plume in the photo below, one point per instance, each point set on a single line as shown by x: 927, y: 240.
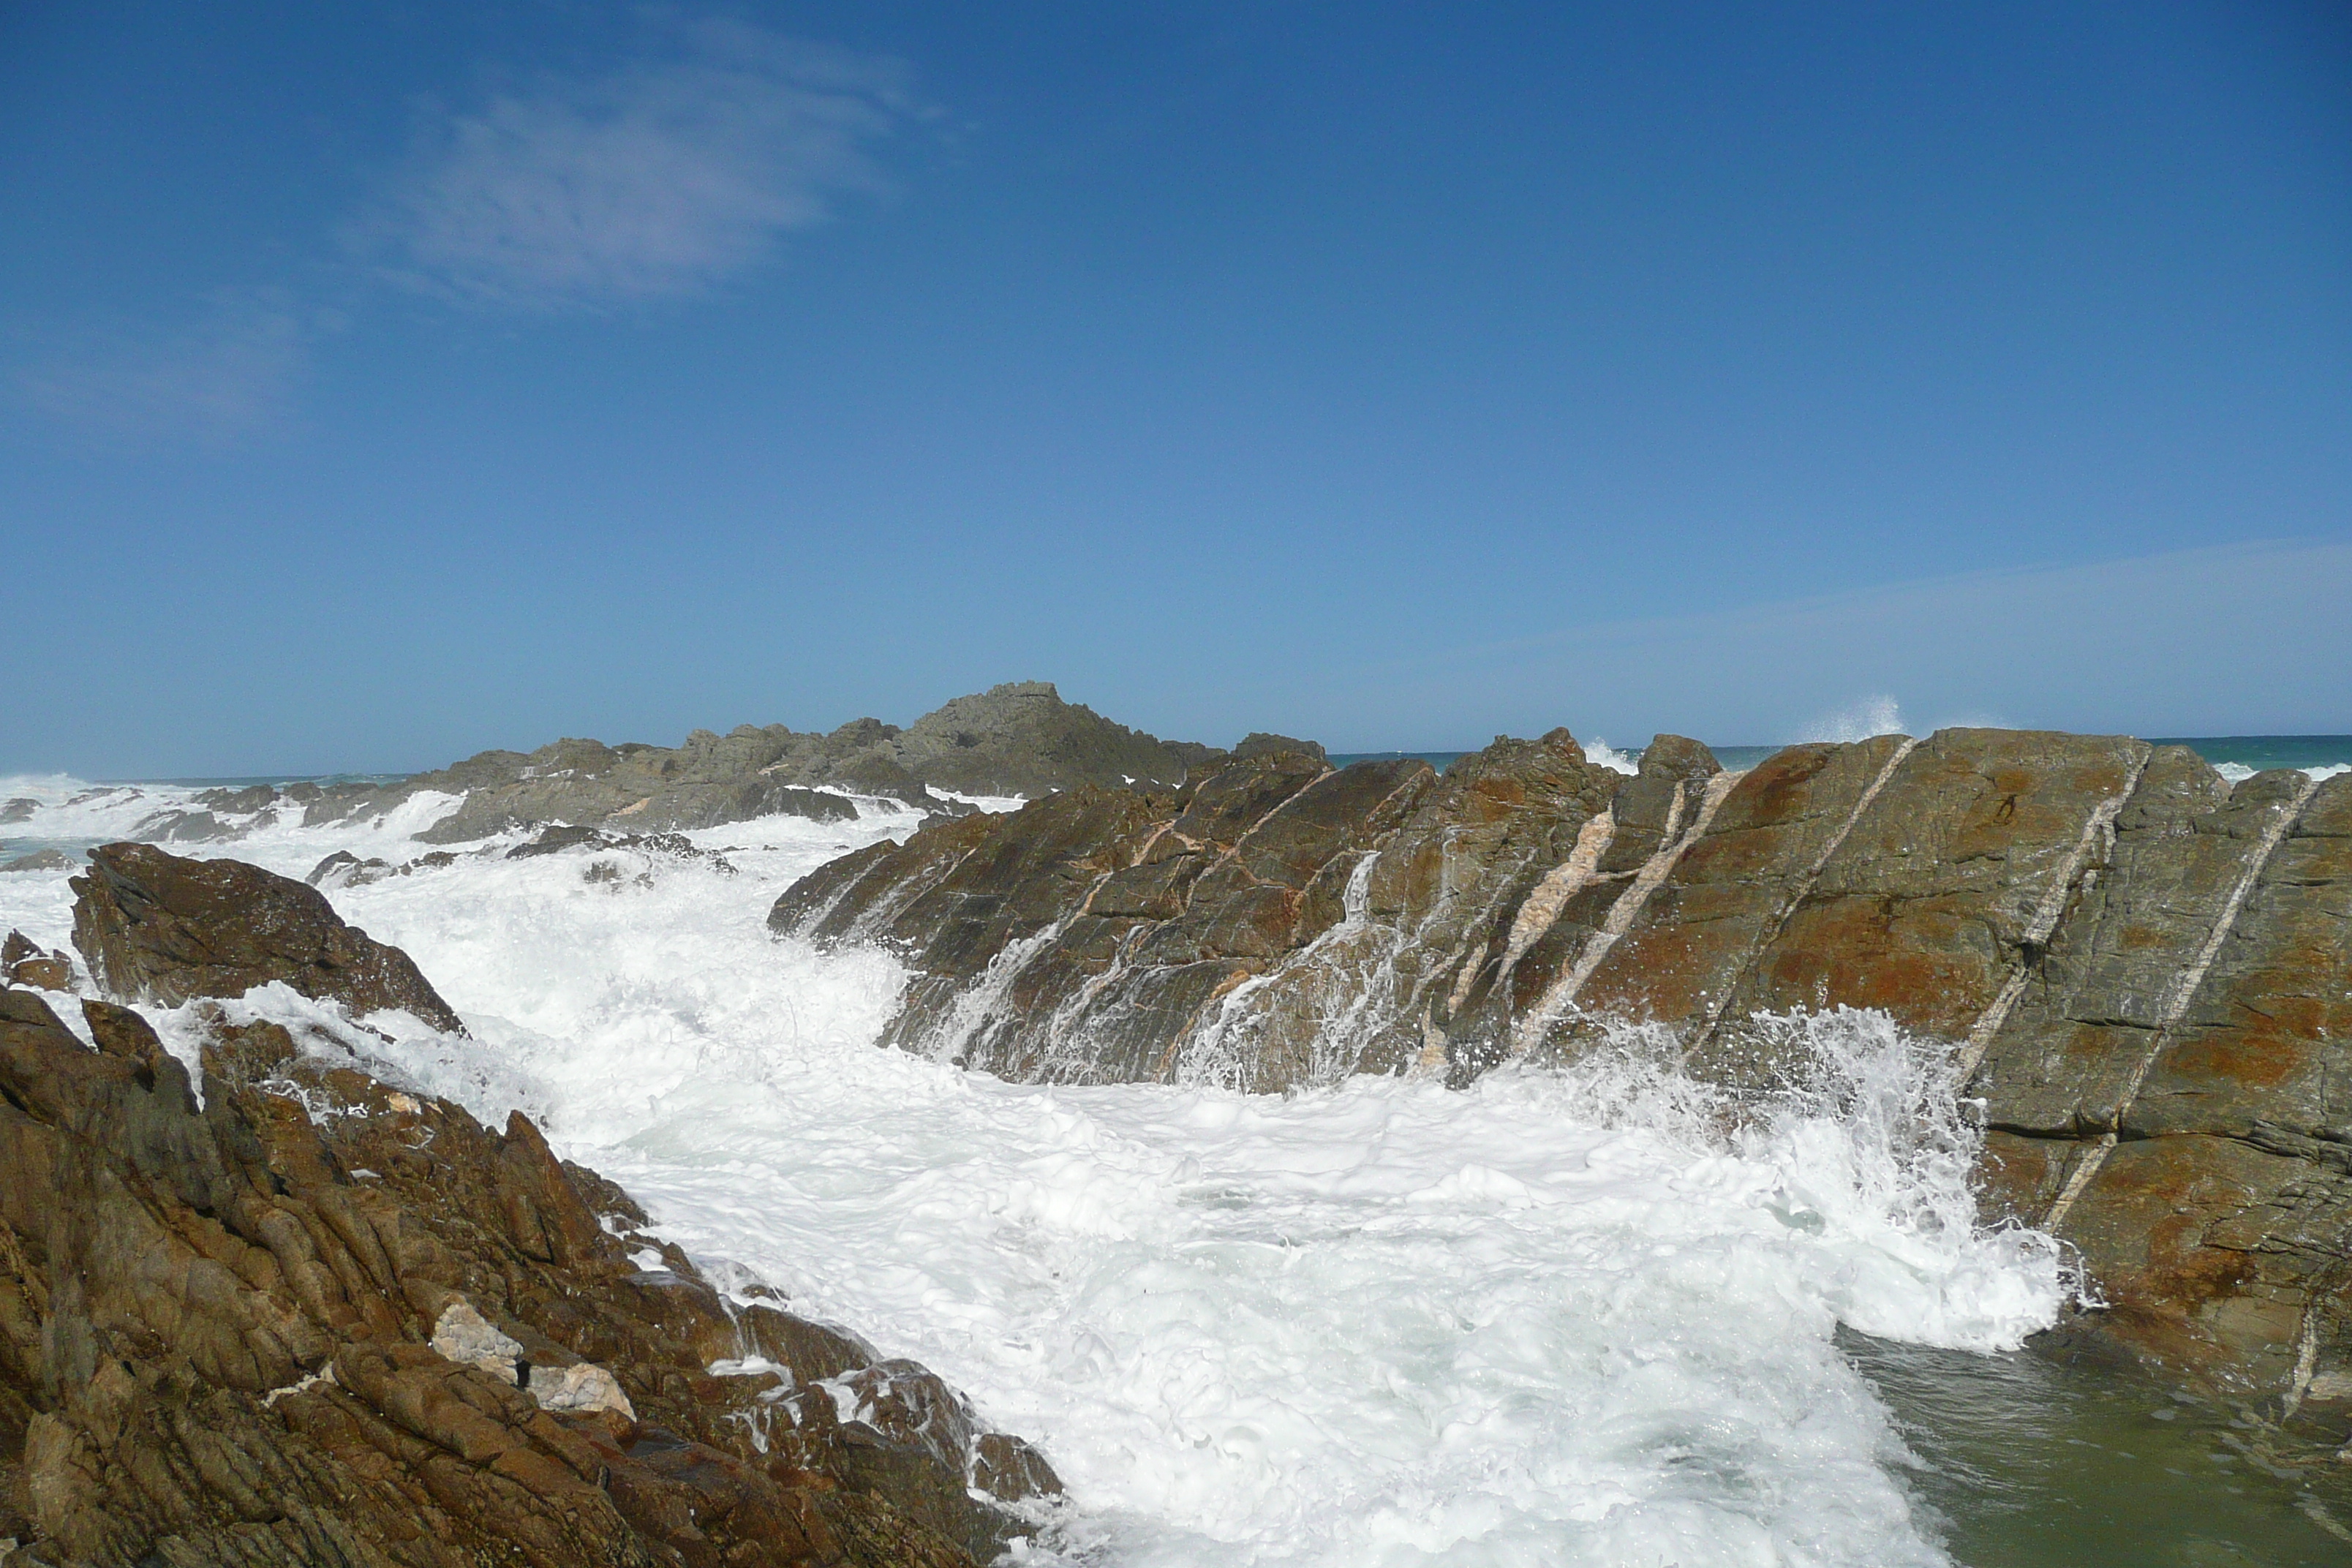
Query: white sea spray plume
x: 1879, y: 715
x: 1600, y: 754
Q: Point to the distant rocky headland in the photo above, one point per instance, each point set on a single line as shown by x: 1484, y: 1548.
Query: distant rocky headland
x: 1019, y: 738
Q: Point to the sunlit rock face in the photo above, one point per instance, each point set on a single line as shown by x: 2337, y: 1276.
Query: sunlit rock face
x: 155, y: 926
x: 2145, y: 973
x: 275, y: 1312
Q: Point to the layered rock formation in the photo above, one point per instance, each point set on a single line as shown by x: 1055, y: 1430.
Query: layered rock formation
x: 304, y: 1318
x: 2143, y: 973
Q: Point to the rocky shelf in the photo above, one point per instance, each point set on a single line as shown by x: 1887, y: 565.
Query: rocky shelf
x: 2143, y: 973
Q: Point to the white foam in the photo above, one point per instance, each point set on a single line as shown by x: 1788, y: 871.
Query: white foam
x: 1561, y: 1317
x: 2239, y: 773
x: 1600, y: 754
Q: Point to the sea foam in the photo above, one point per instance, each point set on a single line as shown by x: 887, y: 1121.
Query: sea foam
x: 1578, y: 1314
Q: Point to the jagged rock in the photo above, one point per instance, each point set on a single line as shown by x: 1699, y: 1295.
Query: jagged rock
x: 1023, y: 739
x: 19, y: 808
x: 1019, y: 738
x: 345, y: 870
x: 227, y: 1330
x: 155, y: 926
x: 2146, y: 973
x: 238, y: 802
x: 22, y: 963
x: 676, y: 845
x: 183, y: 827
x: 342, y: 868
x: 708, y: 781
x: 1218, y: 933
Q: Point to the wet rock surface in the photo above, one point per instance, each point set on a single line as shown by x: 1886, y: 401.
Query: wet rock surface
x: 39, y: 860
x: 156, y: 927
x: 2143, y: 973
x: 283, y: 1313
x: 22, y: 963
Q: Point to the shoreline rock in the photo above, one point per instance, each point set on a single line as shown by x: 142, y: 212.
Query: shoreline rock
x: 2143, y: 973
x: 306, y: 1318
x: 155, y: 926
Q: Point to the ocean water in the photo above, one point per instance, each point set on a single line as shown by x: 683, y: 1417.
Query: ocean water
x: 1562, y: 1316
x: 2238, y: 756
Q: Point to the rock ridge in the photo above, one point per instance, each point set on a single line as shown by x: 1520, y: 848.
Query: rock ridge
x: 2143, y: 973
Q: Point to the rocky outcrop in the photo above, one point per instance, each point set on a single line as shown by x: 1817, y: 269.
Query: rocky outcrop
x: 22, y: 963
x: 1023, y: 739
x: 1019, y: 738
x: 305, y: 1318
x: 280, y: 1314
x: 156, y: 927
x: 38, y: 860
x: 1012, y: 739
x: 2145, y: 974
x: 1272, y: 924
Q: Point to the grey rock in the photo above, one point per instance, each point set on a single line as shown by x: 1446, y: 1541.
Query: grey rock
x: 40, y: 860
x: 1023, y: 739
x: 1017, y: 740
x: 1260, y: 745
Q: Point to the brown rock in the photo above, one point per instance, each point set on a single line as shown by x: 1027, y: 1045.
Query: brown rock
x: 1949, y: 874
x: 23, y: 963
x: 217, y: 1328
x: 2145, y: 969
x: 2080, y: 1034
x: 1276, y: 923
x: 2191, y: 1103
x: 153, y: 926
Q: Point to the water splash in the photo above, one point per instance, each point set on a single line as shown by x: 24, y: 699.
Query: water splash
x: 1880, y: 715
x: 1576, y: 1314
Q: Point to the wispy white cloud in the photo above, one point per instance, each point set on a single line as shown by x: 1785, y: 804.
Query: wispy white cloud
x: 657, y: 179
x: 228, y: 374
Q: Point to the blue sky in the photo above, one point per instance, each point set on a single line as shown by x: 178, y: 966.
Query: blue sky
x: 381, y: 383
